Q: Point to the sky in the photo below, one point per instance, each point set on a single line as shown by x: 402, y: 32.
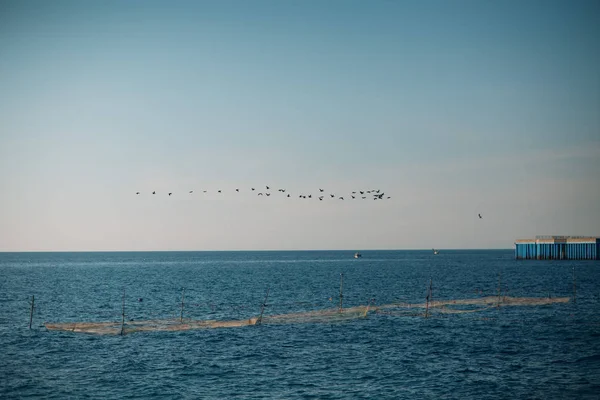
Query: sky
x: 452, y: 108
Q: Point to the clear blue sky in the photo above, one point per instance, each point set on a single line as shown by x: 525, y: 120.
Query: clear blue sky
x: 453, y: 108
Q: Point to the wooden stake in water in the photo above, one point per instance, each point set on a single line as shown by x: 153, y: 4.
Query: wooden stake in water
x: 341, y: 291
x: 262, y: 308
x: 499, y: 281
x: 31, y: 312
x: 182, y: 298
x: 431, y: 291
x: 368, y: 306
x: 427, y: 300
x: 123, y: 320
x: 574, y: 287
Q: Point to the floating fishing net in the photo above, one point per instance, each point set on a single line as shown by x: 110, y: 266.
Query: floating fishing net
x: 320, y: 316
x: 317, y: 316
x: 156, y: 325
x: 462, y: 306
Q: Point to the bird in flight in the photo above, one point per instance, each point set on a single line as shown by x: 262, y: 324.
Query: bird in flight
x: 237, y: 190
x: 137, y: 192
x: 170, y: 194
x: 191, y: 191
x: 153, y: 192
x: 320, y: 190
x: 480, y: 217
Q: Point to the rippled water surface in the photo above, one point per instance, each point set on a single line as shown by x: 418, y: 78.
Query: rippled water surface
x: 542, y: 352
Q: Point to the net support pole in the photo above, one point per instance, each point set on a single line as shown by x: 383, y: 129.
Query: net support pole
x: 431, y: 291
x: 341, y: 292
x: 499, y: 288
x: 31, y: 312
x: 182, y: 299
x: 262, y: 308
x: 123, y: 315
x: 368, y: 307
x: 427, y: 301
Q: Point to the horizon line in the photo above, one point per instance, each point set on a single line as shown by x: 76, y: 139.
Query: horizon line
x: 242, y: 251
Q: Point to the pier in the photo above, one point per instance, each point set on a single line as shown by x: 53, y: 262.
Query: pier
x: 558, y: 248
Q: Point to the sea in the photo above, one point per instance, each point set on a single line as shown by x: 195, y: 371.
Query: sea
x: 518, y: 352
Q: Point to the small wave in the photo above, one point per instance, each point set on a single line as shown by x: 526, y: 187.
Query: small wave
x: 560, y: 362
x: 592, y: 358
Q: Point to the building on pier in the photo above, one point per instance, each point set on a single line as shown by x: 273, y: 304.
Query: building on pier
x: 558, y: 248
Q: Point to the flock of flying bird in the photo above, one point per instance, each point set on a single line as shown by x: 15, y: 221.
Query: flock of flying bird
x: 376, y: 194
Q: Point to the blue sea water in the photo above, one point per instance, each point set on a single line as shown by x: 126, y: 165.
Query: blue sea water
x: 525, y: 352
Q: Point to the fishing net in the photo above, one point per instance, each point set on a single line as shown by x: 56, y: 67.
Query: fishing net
x: 462, y: 306
x: 319, y: 316
x: 331, y: 315
x: 156, y: 325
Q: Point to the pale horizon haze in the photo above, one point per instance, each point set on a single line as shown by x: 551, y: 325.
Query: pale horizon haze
x: 451, y: 108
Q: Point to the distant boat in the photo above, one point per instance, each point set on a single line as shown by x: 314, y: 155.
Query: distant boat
x: 357, y: 255
x: 435, y: 251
